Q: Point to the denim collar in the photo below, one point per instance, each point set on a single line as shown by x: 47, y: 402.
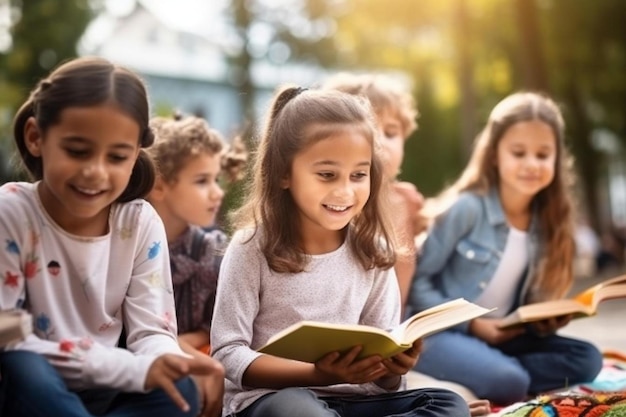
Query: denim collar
x: 495, y: 212
x: 493, y: 206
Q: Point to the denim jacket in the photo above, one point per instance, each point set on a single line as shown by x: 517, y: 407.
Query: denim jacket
x: 463, y: 250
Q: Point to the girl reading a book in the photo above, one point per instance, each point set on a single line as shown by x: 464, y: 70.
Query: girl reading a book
x: 313, y: 243
x: 503, y: 237
x: 86, y: 256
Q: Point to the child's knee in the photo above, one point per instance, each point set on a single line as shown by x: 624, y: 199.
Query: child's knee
x: 188, y: 389
x: 588, y: 365
x: 504, y: 385
x: 294, y: 401
x: 26, y: 368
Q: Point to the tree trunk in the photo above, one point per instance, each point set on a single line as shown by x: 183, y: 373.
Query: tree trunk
x: 466, y: 79
x: 532, y: 59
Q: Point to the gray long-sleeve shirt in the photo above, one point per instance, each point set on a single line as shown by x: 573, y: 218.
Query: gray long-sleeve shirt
x: 253, y: 303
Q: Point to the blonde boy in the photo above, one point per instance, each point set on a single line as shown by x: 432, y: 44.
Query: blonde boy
x: 396, y: 114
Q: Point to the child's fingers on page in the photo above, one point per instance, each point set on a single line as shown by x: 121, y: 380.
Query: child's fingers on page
x: 350, y: 356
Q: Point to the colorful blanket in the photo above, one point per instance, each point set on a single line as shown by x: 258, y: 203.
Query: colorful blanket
x: 571, y: 404
x: 603, y: 397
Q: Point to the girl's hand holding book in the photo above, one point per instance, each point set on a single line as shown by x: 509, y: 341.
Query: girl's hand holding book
x: 347, y: 369
x: 399, y: 365
x: 403, y: 362
x: 551, y: 325
x: 488, y: 329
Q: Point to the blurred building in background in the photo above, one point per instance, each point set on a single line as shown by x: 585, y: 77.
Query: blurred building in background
x: 190, y: 72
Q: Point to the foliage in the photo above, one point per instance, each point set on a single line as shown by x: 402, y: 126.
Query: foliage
x: 465, y: 55
x: 44, y: 33
x: 462, y: 55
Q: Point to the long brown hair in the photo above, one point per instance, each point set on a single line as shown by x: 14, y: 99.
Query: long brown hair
x: 297, y: 119
x: 553, y: 205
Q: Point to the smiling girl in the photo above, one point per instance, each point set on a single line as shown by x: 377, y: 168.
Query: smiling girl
x: 503, y: 237
x: 88, y: 257
x: 314, y: 243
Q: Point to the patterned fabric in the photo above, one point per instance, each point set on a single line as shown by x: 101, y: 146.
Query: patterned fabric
x: 195, y: 259
x: 82, y: 290
x: 610, y: 404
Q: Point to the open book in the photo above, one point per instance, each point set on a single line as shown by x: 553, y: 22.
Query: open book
x: 15, y: 325
x: 309, y: 341
x: 583, y: 304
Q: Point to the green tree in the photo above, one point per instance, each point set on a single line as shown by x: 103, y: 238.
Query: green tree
x: 466, y: 55
x: 44, y: 33
x: 587, y: 56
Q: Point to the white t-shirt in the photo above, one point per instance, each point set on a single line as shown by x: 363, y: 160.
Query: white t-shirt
x: 81, y: 290
x: 502, y: 288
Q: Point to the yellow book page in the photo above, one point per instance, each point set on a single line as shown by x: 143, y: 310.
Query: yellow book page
x: 310, y: 342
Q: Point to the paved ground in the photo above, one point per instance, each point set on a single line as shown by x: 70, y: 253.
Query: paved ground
x: 607, y: 329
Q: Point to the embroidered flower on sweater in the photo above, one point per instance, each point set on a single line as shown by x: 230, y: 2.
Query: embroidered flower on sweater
x: 76, y: 349
x: 125, y: 232
x: 12, y: 247
x: 154, y: 250
x: 44, y: 325
x: 11, y: 280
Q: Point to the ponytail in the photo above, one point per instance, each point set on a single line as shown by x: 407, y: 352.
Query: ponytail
x: 281, y: 100
x: 30, y: 163
x: 141, y: 180
x: 144, y: 172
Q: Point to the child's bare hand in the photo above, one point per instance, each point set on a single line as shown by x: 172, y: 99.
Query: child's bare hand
x: 347, y: 369
x: 211, y: 387
x: 479, y: 408
x: 487, y: 329
x: 413, y: 199
x: 408, y: 201
x: 403, y: 362
x: 169, y: 368
x: 551, y: 325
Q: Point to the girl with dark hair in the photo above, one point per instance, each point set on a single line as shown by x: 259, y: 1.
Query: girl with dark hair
x: 314, y: 243
x: 80, y: 135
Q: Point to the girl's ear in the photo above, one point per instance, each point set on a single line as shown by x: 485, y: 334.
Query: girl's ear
x: 284, y: 183
x: 32, y: 137
x: 158, y: 190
